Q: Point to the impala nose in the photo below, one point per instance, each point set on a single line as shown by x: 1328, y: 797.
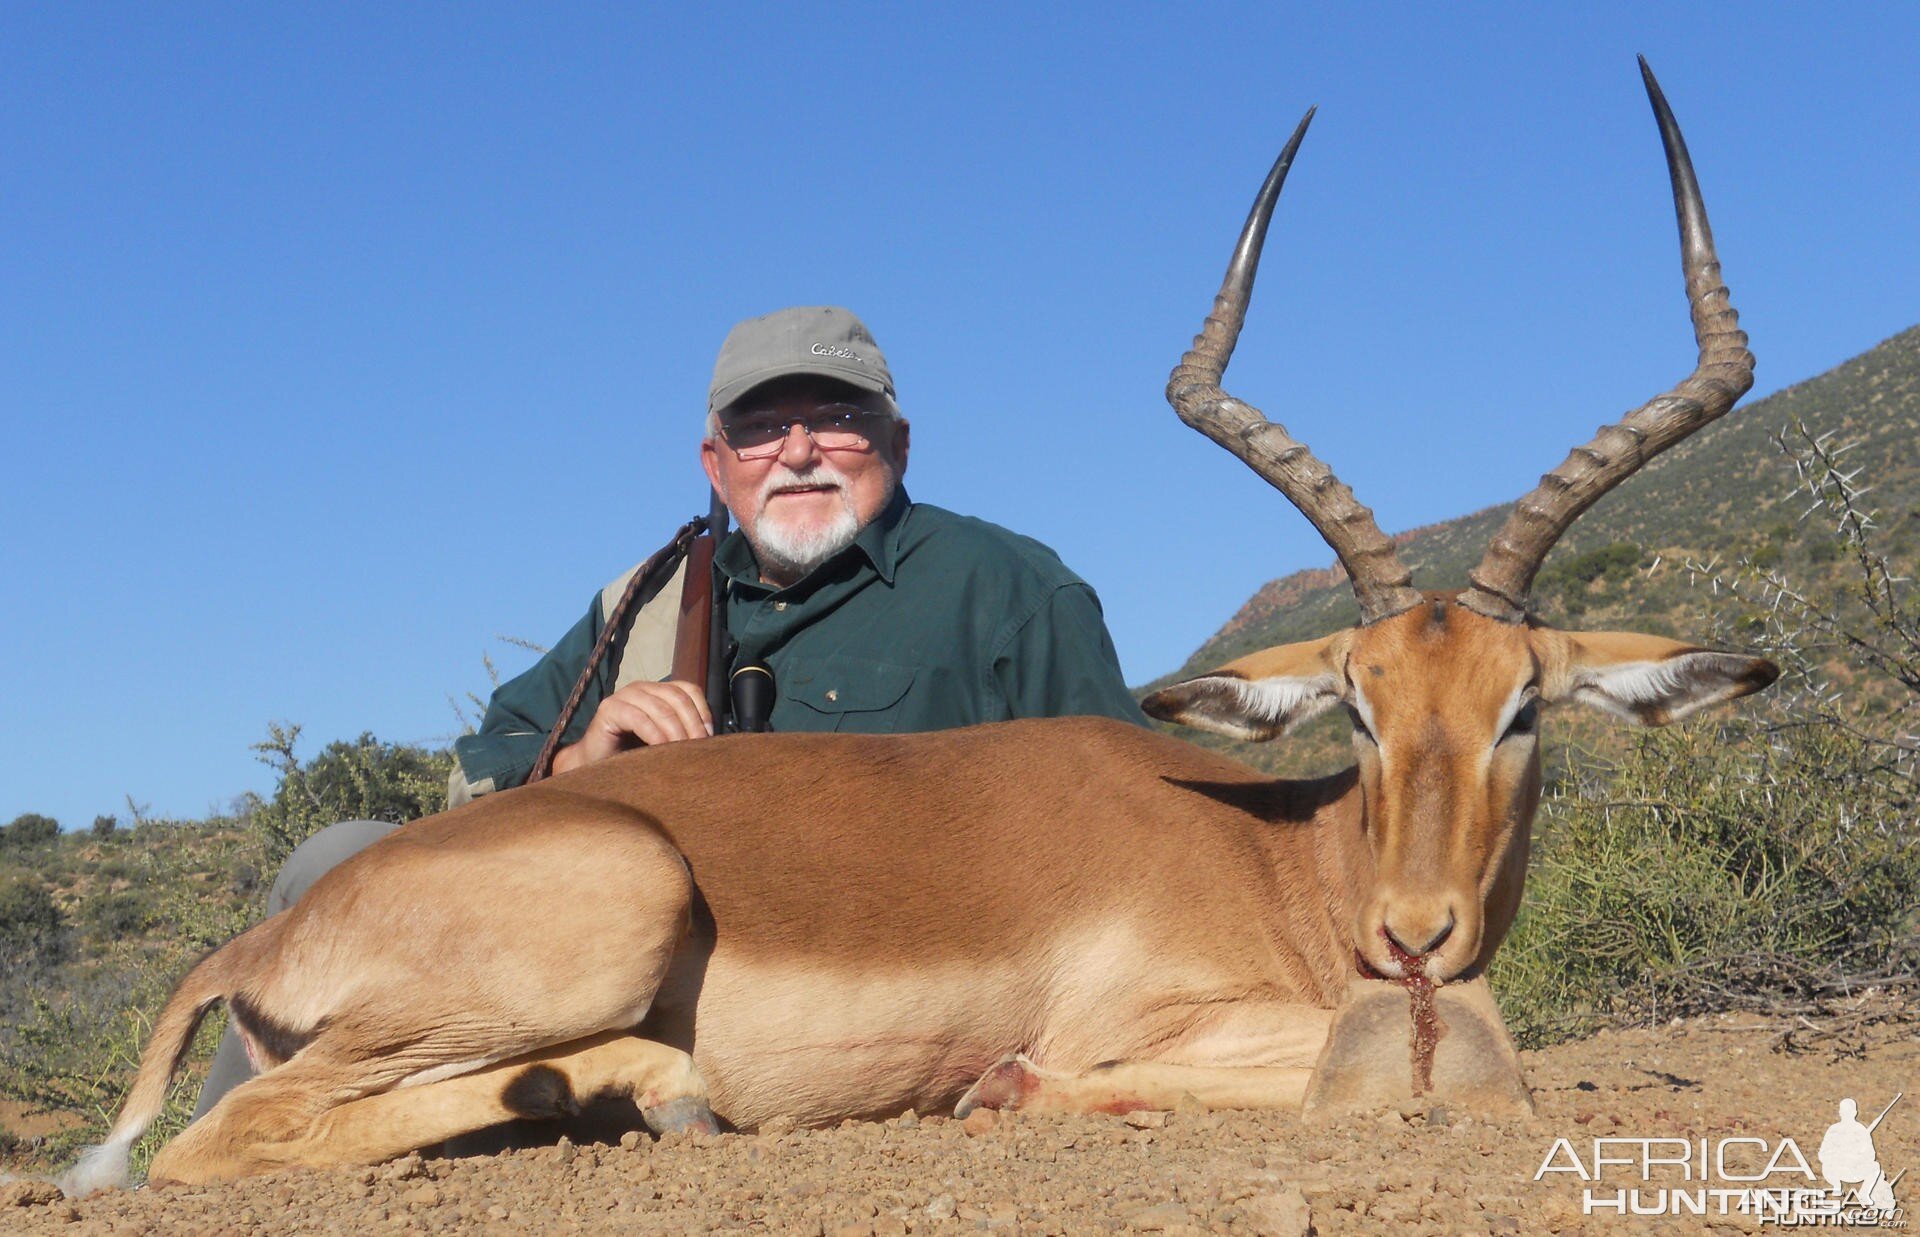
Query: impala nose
x: 1413, y: 937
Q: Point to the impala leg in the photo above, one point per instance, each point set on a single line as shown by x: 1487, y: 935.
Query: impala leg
x: 1130, y: 1086
x: 1369, y: 1059
x: 660, y: 1081
x: 1238, y: 1054
x: 232, y: 1140
x: 238, y: 1136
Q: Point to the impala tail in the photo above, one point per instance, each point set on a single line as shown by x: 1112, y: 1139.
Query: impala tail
x: 105, y: 1166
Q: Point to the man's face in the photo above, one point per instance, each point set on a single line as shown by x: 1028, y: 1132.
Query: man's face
x: 802, y: 504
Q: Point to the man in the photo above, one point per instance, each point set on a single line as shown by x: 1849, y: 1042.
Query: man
x: 876, y: 614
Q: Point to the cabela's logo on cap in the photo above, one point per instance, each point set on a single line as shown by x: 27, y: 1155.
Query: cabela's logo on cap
x: 835, y: 350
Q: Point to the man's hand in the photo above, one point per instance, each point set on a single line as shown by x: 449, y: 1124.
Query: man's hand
x: 639, y: 713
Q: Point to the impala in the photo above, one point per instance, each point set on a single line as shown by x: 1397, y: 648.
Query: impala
x: 1070, y: 914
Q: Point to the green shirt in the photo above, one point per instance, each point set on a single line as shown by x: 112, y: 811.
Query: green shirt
x: 929, y: 620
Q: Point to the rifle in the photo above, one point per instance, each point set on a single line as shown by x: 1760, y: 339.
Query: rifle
x: 743, y: 699
x: 699, y: 654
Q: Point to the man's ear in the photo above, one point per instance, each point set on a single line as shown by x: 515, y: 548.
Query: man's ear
x: 902, y: 439
x: 1262, y: 695
x: 710, y: 460
x: 1648, y: 680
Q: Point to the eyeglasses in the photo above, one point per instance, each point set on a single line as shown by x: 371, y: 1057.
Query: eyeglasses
x: 835, y: 427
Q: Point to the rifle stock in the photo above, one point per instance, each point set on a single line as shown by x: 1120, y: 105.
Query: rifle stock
x: 719, y: 648
x: 693, y: 637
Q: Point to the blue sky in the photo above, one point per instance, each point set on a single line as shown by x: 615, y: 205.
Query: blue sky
x: 338, y: 342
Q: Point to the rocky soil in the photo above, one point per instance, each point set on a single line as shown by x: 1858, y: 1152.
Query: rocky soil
x: 1417, y: 1170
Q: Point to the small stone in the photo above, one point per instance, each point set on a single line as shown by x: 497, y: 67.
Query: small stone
x: 1440, y: 1115
x: 630, y: 1141
x: 1189, y: 1104
x: 406, y: 1168
x: 908, y: 1120
x: 496, y: 1212
x: 422, y: 1196
x: 781, y: 1124
x: 1279, y: 1213
x: 941, y: 1208
x: 980, y: 1121
x: 1325, y: 1193
x: 1501, y: 1224
x: 1146, y: 1120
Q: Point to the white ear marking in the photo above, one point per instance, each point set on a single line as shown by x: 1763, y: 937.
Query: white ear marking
x: 1253, y: 709
x: 1288, y: 701
x: 1653, y: 693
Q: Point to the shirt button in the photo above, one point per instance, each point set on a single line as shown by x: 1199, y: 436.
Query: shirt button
x: 779, y: 605
x: 833, y: 693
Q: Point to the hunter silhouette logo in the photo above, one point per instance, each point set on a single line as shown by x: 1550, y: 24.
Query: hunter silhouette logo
x: 1847, y: 1158
x: 1740, y: 1174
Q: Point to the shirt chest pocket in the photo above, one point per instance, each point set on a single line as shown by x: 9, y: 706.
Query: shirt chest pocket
x: 854, y: 695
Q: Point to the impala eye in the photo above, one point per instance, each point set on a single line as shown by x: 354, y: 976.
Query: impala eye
x: 1360, y: 727
x: 1525, y: 721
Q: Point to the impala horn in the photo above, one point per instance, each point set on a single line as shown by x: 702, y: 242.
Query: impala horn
x: 1498, y: 587
x: 1381, y: 582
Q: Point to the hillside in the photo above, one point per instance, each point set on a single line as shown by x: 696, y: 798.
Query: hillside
x: 1727, y: 493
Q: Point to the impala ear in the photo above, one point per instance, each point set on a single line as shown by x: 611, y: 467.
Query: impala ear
x: 1649, y: 680
x: 1262, y: 695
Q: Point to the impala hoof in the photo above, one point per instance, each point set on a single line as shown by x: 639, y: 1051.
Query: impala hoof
x: 1370, y: 1062
x: 689, y: 1115
x: 1012, y: 1080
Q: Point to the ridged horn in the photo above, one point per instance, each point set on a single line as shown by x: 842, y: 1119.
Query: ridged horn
x: 1381, y: 582
x: 1498, y: 587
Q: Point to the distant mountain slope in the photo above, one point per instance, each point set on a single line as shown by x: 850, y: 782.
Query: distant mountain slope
x: 1726, y: 492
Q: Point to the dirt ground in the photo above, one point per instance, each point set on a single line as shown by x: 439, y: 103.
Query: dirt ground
x: 1417, y: 1170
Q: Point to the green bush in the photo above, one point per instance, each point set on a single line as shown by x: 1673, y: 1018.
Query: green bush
x: 1699, y: 873
x: 120, y: 914
x: 103, y: 826
x: 30, y: 829
x: 1582, y: 569
x: 31, y: 925
x: 360, y: 780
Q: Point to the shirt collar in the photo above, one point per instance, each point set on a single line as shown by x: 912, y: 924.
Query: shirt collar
x: 879, y: 541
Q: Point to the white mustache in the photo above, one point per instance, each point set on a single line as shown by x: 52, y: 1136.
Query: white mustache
x: 819, y: 476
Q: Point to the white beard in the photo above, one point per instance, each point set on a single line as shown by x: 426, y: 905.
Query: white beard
x: 791, y: 552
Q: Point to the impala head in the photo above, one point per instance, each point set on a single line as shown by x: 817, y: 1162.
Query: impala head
x: 1445, y: 689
